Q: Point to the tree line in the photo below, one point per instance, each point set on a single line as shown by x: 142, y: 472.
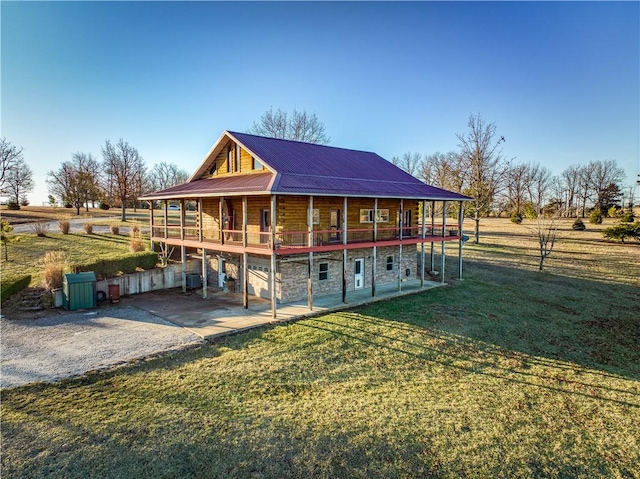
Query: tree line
x: 499, y: 186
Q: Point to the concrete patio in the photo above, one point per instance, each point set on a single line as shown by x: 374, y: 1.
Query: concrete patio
x: 222, y: 313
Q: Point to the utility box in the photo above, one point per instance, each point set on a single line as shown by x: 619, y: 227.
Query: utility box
x: 194, y: 281
x: 79, y: 291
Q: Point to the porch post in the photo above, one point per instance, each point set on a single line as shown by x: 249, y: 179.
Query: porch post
x: 444, y: 227
x: 183, y: 251
x: 424, y: 232
x: 310, y: 243
x: 400, y: 246
x: 166, y: 219
x: 374, y: 253
x: 200, y: 236
x: 245, y: 255
x: 220, y: 220
x: 151, y: 224
x: 344, y: 250
x: 460, y: 221
x: 273, y: 256
x: 204, y: 273
x: 433, y: 227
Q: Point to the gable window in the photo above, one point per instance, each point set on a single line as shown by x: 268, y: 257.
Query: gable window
x: 229, y: 158
x: 236, y: 162
x: 390, y: 263
x: 324, y: 271
x: 255, y: 164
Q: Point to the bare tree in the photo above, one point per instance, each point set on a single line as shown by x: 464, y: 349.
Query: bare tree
x: 446, y: 171
x: 76, y: 182
x: 538, y: 183
x: 486, y: 166
x: 584, y: 186
x: 517, y: 186
x: 18, y: 180
x: 546, y: 231
x: 571, y: 180
x: 122, y: 165
x: 299, y: 126
x: 9, y: 155
x: 409, y: 162
x: 603, y: 175
x: 165, y: 175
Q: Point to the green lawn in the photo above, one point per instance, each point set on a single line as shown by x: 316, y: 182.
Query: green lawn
x: 509, y: 373
x: 26, y: 251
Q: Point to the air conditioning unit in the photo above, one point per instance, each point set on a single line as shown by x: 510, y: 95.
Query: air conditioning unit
x: 194, y: 281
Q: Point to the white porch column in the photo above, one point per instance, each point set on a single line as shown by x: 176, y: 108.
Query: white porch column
x: 183, y: 251
x: 200, y: 235
x: 424, y: 233
x: 273, y: 256
x: 310, y: 244
x: 245, y: 255
x: 433, y: 226
x: 374, y: 253
x: 460, y: 221
x: 204, y: 273
x: 151, y: 224
x: 344, y: 250
x: 444, y: 227
x: 400, y: 247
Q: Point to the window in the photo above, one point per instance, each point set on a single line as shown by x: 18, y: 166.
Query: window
x: 316, y: 216
x: 334, y: 225
x: 366, y: 216
x: 390, y: 263
x: 324, y: 271
x: 229, y: 158
x: 255, y: 164
x: 236, y: 162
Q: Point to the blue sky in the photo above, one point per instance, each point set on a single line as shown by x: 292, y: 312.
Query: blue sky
x: 561, y: 81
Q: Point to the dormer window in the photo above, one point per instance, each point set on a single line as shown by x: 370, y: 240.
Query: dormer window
x: 255, y: 164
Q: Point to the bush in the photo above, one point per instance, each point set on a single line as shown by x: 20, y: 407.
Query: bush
x: 106, y: 268
x: 13, y: 285
x: 88, y: 228
x: 516, y: 217
x: 115, y: 229
x: 13, y: 205
x: 613, y: 212
x: 54, y: 264
x: 64, y: 226
x: 595, y: 217
x: 135, y: 231
x: 622, y: 231
x: 24, y: 202
x: 103, y: 206
x: 530, y: 212
x: 136, y: 244
x: 68, y: 205
x: 40, y: 228
x: 627, y: 217
x: 578, y: 225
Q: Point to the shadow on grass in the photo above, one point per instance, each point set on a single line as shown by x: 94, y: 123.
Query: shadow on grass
x: 591, y: 323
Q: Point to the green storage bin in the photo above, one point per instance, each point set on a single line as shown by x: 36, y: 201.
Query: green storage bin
x: 79, y: 291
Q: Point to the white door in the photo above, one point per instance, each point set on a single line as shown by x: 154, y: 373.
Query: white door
x: 359, y: 273
x: 221, y: 274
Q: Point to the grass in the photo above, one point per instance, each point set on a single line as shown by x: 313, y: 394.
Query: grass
x: 26, y: 251
x: 509, y: 373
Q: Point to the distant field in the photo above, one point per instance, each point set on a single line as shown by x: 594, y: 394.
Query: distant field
x: 509, y: 373
x: 28, y: 214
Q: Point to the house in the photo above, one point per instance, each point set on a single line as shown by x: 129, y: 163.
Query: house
x: 291, y: 220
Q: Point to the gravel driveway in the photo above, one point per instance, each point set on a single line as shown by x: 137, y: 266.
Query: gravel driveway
x: 70, y: 344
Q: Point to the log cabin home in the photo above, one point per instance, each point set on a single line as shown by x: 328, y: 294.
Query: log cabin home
x: 289, y: 220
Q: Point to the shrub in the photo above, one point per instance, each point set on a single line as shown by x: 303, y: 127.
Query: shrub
x: 516, y: 217
x: 530, y: 212
x: 13, y: 205
x: 88, y: 228
x: 627, y: 217
x: 136, y: 244
x: 13, y: 285
x: 54, y: 263
x: 68, y: 205
x: 115, y: 229
x: 105, y: 268
x: 578, y: 225
x: 64, y: 225
x: 24, y: 202
x: 40, y: 228
x: 103, y: 206
x: 135, y: 231
x: 613, y: 212
x: 595, y: 217
x: 622, y: 231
